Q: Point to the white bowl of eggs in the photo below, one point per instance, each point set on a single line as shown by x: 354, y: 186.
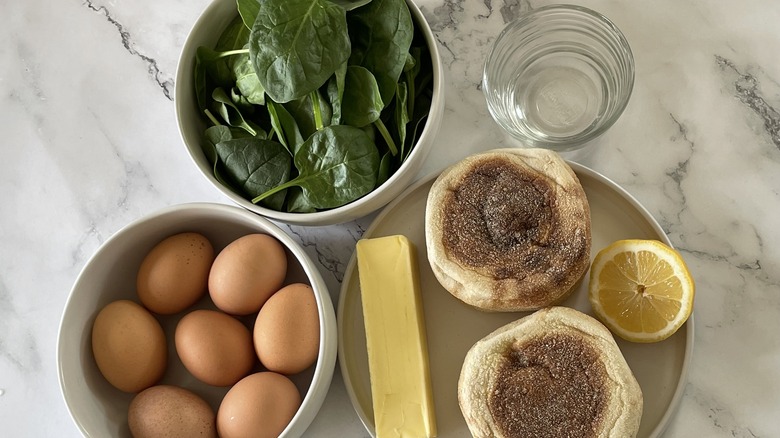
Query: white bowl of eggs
x: 205, y: 310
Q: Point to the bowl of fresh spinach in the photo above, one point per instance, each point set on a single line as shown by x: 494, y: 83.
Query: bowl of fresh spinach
x: 310, y: 112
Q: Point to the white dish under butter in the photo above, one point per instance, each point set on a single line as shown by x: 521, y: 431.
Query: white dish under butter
x: 453, y: 327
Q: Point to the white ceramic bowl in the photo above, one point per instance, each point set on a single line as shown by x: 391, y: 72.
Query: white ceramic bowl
x: 99, y: 409
x: 205, y: 32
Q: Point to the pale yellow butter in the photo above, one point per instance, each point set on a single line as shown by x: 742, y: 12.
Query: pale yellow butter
x: 395, y: 338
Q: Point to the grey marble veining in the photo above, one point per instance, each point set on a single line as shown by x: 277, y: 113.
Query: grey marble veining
x: 164, y: 80
x: 90, y: 144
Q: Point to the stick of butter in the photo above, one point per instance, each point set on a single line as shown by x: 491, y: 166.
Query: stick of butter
x: 395, y: 338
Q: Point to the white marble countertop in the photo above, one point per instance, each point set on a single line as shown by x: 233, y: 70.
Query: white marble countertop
x: 90, y: 144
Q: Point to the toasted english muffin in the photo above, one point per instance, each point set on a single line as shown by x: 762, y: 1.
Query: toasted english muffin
x: 555, y: 373
x: 508, y: 229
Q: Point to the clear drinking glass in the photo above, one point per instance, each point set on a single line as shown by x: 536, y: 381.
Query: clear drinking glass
x: 558, y: 76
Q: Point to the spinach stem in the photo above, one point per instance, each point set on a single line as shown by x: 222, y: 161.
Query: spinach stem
x: 315, y: 101
x: 386, y: 135
x: 297, y: 181
x: 279, y: 188
x: 227, y: 53
x: 212, y: 118
x: 410, y: 96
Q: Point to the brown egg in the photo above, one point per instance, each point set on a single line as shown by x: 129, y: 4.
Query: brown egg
x: 174, y: 275
x: 214, y: 347
x: 170, y: 411
x: 129, y: 346
x: 246, y: 273
x: 287, y: 330
x: 261, y: 405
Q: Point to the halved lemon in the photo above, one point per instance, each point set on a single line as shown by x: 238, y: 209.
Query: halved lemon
x: 641, y: 289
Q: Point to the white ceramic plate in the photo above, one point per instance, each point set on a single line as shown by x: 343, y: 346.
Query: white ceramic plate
x: 453, y: 327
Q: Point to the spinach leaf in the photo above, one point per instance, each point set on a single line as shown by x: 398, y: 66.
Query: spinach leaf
x: 350, y: 4
x: 255, y: 166
x: 247, y: 81
x: 210, y: 67
x: 211, y: 137
x: 296, y: 45
x: 336, y: 165
x: 285, y: 126
x: 217, y: 134
x: 410, y: 62
x: 201, y: 80
x: 225, y: 107
x: 220, y: 133
x: 297, y: 202
x: 248, y: 10
x: 423, y: 72
x: 235, y: 36
x: 381, y: 34
x: 336, y: 92
x: 240, y: 101
x: 413, y: 66
x: 215, y: 64
x: 247, y: 109
x: 417, y: 75
x: 422, y: 108
x: 362, y: 93
x: 302, y: 110
x: 383, y: 174
x: 370, y: 132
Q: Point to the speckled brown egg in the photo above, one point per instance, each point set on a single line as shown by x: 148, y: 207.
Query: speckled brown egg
x: 129, y: 346
x: 174, y: 275
x: 261, y: 405
x: 215, y: 347
x: 246, y: 272
x: 172, y: 412
x: 287, y: 330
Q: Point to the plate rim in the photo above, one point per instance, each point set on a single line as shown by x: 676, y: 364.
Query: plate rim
x: 578, y: 169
